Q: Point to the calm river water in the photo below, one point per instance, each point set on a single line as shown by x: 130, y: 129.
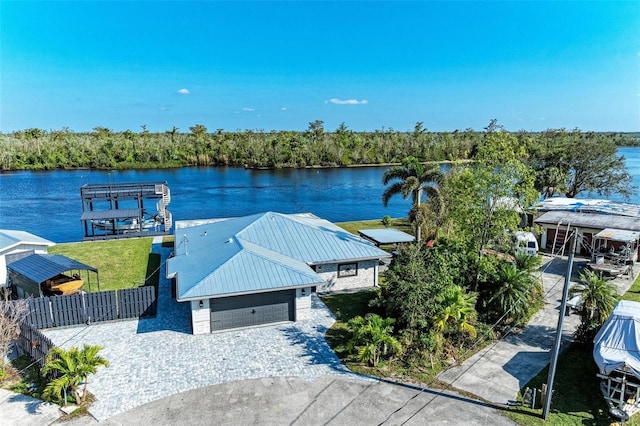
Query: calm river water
x: 48, y: 203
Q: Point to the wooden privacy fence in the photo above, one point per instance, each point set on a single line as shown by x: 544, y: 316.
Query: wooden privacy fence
x: 33, y: 342
x: 85, y: 308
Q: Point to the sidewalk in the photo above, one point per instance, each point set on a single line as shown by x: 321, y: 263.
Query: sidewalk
x: 18, y: 410
x: 499, y: 371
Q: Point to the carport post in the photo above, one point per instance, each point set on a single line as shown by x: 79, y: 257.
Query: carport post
x: 558, y: 339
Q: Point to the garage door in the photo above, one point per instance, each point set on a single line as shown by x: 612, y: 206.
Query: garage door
x: 253, y: 309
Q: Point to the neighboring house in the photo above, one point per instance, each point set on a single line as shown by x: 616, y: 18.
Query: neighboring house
x: 556, y: 223
x: 17, y: 244
x: 262, y: 268
x: 589, y: 216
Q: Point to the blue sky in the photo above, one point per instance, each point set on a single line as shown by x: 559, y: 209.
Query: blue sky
x: 280, y: 65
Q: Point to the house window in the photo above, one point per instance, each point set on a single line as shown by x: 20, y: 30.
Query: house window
x: 347, y: 270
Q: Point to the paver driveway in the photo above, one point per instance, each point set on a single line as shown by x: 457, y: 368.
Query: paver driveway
x: 154, y: 358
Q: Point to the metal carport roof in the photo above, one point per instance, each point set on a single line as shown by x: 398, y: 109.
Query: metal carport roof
x: 41, y: 267
x: 386, y: 236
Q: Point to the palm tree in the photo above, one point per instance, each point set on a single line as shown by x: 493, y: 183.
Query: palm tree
x: 73, y: 368
x: 527, y: 263
x: 413, y: 181
x: 458, y: 311
x: 372, y: 337
x: 515, y: 292
x: 598, y: 297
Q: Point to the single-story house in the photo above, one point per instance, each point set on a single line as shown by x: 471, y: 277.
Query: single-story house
x: 262, y: 268
x: 16, y: 244
x: 555, y: 224
x: 586, y: 205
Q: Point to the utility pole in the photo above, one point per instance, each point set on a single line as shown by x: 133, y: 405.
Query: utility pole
x: 558, y: 339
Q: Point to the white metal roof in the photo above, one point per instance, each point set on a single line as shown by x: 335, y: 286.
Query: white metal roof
x: 11, y: 238
x: 588, y: 206
x: 618, y: 235
x: 387, y: 235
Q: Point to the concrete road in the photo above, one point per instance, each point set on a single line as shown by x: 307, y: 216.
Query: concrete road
x: 17, y: 409
x: 322, y: 401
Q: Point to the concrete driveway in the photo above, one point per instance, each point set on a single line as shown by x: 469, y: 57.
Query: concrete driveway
x: 321, y: 401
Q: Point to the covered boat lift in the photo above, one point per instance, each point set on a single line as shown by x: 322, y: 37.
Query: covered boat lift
x: 30, y: 275
x: 117, y: 210
x: 616, y: 351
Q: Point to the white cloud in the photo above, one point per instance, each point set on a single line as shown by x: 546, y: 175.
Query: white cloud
x: 248, y: 109
x: 337, y: 101
x: 183, y: 91
x: 283, y: 108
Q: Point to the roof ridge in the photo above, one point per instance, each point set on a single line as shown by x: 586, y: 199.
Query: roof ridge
x: 275, y: 257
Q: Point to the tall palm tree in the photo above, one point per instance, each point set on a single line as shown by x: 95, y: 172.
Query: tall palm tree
x: 413, y: 178
x: 598, y: 297
x: 73, y: 367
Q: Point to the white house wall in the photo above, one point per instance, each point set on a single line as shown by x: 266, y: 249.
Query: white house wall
x: 303, y: 303
x: 367, y: 276
x: 201, y: 316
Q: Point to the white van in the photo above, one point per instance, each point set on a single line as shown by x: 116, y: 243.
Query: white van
x: 526, y: 243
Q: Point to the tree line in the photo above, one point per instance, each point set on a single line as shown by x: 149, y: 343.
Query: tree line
x: 103, y: 148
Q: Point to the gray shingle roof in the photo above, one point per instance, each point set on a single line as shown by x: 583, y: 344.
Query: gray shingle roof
x: 260, y: 252
x: 590, y: 220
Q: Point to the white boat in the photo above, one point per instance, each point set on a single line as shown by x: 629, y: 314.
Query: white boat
x: 125, y: 225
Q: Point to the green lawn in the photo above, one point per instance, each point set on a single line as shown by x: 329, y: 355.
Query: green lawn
x: 634, y: 291
x: 346, y: 306
x: 121, y: 263
x: 402, y: 224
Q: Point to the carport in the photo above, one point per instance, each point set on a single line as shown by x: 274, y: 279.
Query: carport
x: 27, y: 275
x: 386, y: 236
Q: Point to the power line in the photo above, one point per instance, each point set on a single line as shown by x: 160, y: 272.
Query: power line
x: 473, y: 346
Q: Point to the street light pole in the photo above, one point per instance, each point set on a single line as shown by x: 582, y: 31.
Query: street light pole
x: 558, y: 339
